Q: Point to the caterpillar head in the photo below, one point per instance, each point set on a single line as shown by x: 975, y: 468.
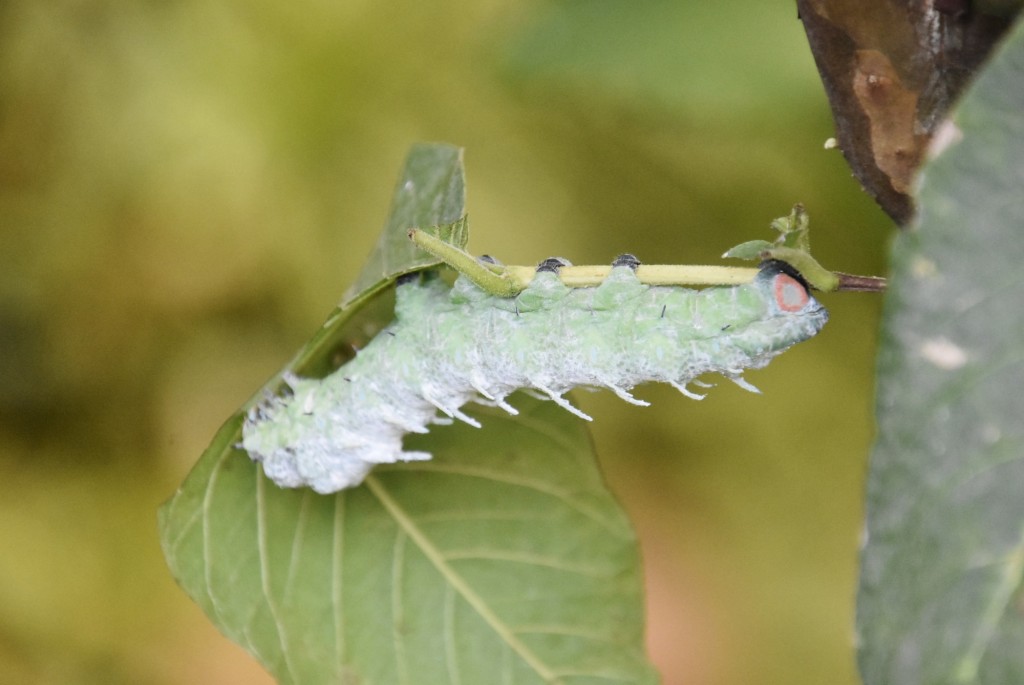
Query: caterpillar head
x: 789, y: 313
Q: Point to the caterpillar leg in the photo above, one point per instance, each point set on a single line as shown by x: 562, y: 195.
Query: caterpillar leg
x: 495, y: 401
x: 743, y: 383
x: 453, y: 412
x: 414, y: 456
x: 507, y: 407
x: 626, y: 395
x: 397, y: 419
x: 392, y: 456
x: 490, y: 402
x: 681, y: 387
x: 562, y: 402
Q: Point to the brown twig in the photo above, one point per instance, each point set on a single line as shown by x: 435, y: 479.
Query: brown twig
x: 864, y: 284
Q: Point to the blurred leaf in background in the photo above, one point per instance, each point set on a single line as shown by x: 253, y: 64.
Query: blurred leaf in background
x: 940, y: 595
x: 187, y: 188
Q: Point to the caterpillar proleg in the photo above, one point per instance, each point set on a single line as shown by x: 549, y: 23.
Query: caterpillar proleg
x: 448, y: 346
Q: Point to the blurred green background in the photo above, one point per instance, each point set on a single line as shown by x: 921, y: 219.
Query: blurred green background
x: 187, y: 187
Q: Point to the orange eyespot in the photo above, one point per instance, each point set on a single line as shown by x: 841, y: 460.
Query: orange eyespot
x: 790, y: 294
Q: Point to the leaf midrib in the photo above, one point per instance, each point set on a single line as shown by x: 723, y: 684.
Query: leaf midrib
x: 456, y: 581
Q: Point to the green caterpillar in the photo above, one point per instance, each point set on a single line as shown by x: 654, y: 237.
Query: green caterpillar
x: 451, y: 345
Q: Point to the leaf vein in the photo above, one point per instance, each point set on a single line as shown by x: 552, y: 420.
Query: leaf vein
x: 397, y: 613
x: 542, y: 487
x: 524, y: 558
x: 261, y: 532
x: 458, y: 583
x: 337, y: 568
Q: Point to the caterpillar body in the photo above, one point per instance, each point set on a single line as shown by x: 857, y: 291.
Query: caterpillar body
x: 451, y: 345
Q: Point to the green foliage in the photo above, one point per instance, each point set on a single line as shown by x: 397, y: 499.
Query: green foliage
x: 794, y: 233
x: 941, y: 575
x: 499, y: 562
x: 793, y: 246
x: 503, y: 559
x: 430, y: 193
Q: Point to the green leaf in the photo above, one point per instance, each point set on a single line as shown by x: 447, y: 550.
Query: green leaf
x: 504, y: 559
x: 794, y: 230
x: 941, y: 597
x: 431, y: 192
x: 793, y: 246
x: 750, y: 250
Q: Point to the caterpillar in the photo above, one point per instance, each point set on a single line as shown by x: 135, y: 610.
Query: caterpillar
x: 449, y: 345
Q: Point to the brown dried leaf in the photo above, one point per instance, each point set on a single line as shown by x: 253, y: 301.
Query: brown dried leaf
x: 891, y: 70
